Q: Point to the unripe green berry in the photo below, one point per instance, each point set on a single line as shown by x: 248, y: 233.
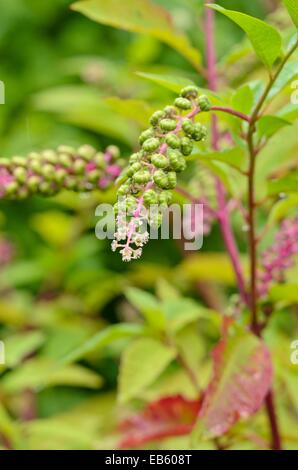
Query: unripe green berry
x: 134, y: 158
x: 33, y: 183
x: 99, y: 160
x: 5, y: 162
x: 23, y: 193
x: 48, y: 171
x: 114, y: 151
x: 172, y: 141
x: 172, y: 180
x: 168, y: 125
x: 11, y: 188
x: 188, y: 127
x: 183, y: 103
x: 93, y: 176
x: 147, y: 134
x: 20, y: 174
x: 50, y: 156
x: 150, y: 197
x: 36, y: 166
x: 141, y: 177
x: 19, y: 161
x: 124, y: 189
x: 66, y: 149
x: 87, y: 152
x: 71, y: 182
x: 176, y: 160
x: 156, y: 117
x: 155, y: 220
x: 159, y: 160
x: 134, y: 168
x: 65, y: 160
x: 170, y: 111
x: 160, y: 179
x: 60, y: 175
x: 186, y: 146
x: 79, y: 167
x: 165, y: 197
x: 46, y: 188
x: 34, y: 155
x: 199, y: 132
x: 150, y: 145
x: 204, y: 103
x: 130, y: 203
x: 190, y: 92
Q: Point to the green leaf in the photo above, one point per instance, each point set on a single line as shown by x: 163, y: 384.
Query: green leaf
x: 292, y: 8
x: 170, y: 82
x: 243, y: 99
x: 20, y: 345
x: 287, y: 184
x: 103, y: 339
x: 242, y: 376
x: 142, y: 363
x: 148, y: 306
x: 288, y: 73
x: 140, y: 17
x: 166, y: 291
x: 181, y: 312
x: 55, y: 227
x: 214, y: 267
x: 43, y: 372
x: 85, y: 107
x: 267, y: 126
x: 282, y: 208
x: 58, y: 434
x: 289, y: 112
x: 235, y: 157
x: 276, y: 156
x: 265, y: 39
x: 9, y: 427
x: 285, y: 293
x: 22, y: 273
x: 136, y: 110
x: 191, y: 347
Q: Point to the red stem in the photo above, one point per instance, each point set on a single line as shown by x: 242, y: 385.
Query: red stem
x: 270, y: 407
x: 223, y: 212
x: 233, y: 112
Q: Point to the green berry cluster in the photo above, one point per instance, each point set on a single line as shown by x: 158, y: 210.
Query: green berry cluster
x: 47, y: 172
x: 152, y: 171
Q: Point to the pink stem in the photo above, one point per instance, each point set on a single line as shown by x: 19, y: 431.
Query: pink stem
x: 223, y: 212
x: 233, y: 112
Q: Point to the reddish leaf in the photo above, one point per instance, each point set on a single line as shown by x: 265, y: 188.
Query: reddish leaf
x: 169, y: 416
x: 241, y: 380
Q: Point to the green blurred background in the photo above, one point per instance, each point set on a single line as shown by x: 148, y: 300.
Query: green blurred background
x: 63, y: 78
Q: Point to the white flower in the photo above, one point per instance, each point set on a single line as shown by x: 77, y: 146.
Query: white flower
x: 126, y: 253
x: 114, y: 245
x: 121, y: 234
x: 145, y: 236
x: 137, y: 253
x: 141, y: 239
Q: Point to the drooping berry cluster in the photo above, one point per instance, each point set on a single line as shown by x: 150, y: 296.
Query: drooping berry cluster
x: 280, y: 256
x: 152, y: 171
x: 48, y: 172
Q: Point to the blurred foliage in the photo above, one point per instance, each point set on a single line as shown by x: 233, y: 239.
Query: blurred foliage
x: 68, y: 307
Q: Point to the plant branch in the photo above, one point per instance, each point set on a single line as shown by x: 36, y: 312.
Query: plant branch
x: 224, y: 220
x: 276, y: 440
x: 233, y: 112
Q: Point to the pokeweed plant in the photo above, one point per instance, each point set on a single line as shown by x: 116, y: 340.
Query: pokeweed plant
x: 242, y: 380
